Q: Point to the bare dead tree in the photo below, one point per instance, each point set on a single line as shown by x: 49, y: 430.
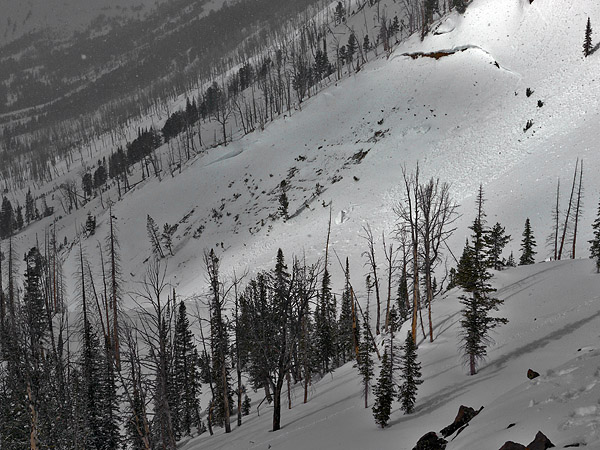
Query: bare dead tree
x: 568, y: 213
x: 372, y: 266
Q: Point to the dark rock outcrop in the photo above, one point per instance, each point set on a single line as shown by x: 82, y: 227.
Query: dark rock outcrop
x: 464, y: 416
x: 431, y: 441
x: 510, y: 445
x: 531, y: 374
x: 541, y: 442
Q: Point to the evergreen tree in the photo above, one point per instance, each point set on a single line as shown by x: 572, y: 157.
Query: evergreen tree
x: 411, y: 374
x: 246, y: 405
x: 154, y: 237
x: 351, y: 48
x: 30, y: 212
x: 185, y: 378
x: 474, y: 278
x: 595, y: 242
x: 464, y: 271
x: 510, y: 262
x: 527, y: 245
x: 219, y: 342
x: 403, y: 300
x: 346, y: 322
x: 587, y: 42
x: 7, y: 219
x: 365, y: 362
x: 366, y: 44
x: 90, y: 224
x: 283, y: 201
x: 495, y: 242
x: 324, y: 326
x: 459, y: 5
x: 87, y: 184
x: 384, y: 392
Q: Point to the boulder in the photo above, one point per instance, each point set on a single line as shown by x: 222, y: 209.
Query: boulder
x: 531, y: 374
x: 431, y: 441
x: 541, y: 442
x: 464, y: 416
x: 510, y: 445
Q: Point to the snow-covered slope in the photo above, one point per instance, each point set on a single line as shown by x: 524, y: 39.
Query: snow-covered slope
x: 554, y: 317
x: 461, y: 117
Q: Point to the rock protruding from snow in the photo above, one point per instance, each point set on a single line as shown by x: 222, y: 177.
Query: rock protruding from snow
x: 541, y: 442
x: 510, y: 445
x: 464, y: 416
x: 431, y: 441
x: 531, y: 374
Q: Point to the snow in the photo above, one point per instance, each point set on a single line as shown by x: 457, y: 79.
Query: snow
x: 461, y: 117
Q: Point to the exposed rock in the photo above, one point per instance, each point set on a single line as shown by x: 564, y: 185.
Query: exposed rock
x: 510, y: 445
x: 464, y: 416
x: 541, y: 442
x: 531, y: 374
x: 431, y: 441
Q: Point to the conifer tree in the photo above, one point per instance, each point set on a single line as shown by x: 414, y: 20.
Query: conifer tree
x: 384, y: 392
x: 154, y: 236
x: 474, y: 279
x: 283, y: 201
x: 185, y: 378
x: 587, y: 42
x: 219, y: 339
x: 324, y: 326
x: 29, y: 207
x: 346, y: 336
x: 403, y: 298
x: 365, y: 363
x: 527, y: 246
x: 510, y: 262
x: 495, y: 241
x: 595, y: 242
x: 411, y: 374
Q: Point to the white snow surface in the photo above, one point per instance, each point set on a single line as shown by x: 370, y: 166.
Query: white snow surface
x: 554, y: 317
x: 461, y: 117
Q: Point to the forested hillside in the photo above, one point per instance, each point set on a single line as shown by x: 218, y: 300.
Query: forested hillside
x: 331, y: 228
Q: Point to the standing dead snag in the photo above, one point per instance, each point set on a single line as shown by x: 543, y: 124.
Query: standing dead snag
x: 438, y: 211
x: 408, y: 215
x: 372, y: 264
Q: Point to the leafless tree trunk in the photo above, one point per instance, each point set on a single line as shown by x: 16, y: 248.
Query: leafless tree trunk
x: 372, y: 265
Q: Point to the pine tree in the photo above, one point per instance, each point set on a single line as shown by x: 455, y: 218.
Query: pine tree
x: 384, y: 392
x: 366, y: 44
x: 219, y: 342
x: 474, y: 279
x: 365, y: 363
x: 154, y: 237
x: 185, y: 378
x: 527, y: 245
x: 495, y: 242
x: 510, y: 262
x: 246, y: 405
x: 587, y: 42
x: 411, y: 374
x: 29, y: 207
x: 403, y: 297
x: 595, y: 242
x: 90, y: 224
x: 346, y: 335
x: 324, y: 326
x: 283, y: 201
